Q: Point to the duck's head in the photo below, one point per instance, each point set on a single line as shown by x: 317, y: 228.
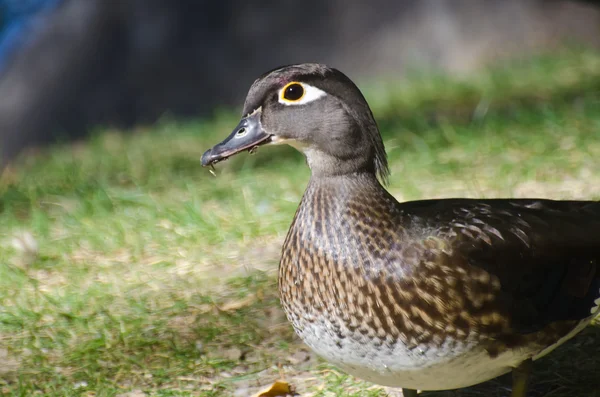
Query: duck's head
x: 316, y: 109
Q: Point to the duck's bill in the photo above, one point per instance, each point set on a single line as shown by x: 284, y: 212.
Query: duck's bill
x: 248, y: 135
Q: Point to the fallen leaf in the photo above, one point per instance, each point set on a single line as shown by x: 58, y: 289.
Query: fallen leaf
x: 277, y: 389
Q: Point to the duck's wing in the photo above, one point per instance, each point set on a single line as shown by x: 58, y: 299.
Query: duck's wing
x: 540, y: 259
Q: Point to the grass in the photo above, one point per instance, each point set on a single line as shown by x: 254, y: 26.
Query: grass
x: 128, y: 270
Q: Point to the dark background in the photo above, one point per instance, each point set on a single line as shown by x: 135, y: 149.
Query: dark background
x: 86, y: 63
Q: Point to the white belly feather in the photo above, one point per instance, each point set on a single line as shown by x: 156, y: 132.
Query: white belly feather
x: 451, y: 366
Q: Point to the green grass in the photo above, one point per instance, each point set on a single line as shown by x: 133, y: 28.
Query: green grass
x: 127, y: 270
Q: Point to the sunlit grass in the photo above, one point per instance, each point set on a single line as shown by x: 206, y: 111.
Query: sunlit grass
x: 127, y: 268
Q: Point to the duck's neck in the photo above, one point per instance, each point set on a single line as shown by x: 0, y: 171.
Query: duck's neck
x: 342, y: 199
x: 345, y: 186
x: 323, y: 165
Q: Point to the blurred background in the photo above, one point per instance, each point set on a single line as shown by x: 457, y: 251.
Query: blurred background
x: 67, y: 66
x: 128, y: 270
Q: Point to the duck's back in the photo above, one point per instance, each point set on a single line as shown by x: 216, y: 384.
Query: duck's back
x: 544, y: 254
x: 387, y: 289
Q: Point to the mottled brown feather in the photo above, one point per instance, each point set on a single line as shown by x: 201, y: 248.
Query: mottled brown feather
x: 431, y: 271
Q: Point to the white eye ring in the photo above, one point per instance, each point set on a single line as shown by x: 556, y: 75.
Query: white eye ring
x: 310, y: 94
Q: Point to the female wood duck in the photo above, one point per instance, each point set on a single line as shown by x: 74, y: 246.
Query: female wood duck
x: 430, y: 295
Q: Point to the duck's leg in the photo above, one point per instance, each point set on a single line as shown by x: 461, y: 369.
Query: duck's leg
x: 409, y: 393
x: 521, y: 379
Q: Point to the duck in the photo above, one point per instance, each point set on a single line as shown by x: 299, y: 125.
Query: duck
x: 421, y: 295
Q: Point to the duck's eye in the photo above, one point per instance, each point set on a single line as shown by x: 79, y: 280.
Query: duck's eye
x: 296, y: 93
x: 293, y: 92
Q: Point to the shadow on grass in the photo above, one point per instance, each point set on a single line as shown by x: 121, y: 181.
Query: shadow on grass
x: 572, y: 370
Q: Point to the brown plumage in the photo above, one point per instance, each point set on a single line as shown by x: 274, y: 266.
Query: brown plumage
x: 430, y: 294
x: 453, y: 279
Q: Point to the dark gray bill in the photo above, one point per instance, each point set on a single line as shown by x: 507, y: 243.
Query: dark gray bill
x: 247, y: 135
